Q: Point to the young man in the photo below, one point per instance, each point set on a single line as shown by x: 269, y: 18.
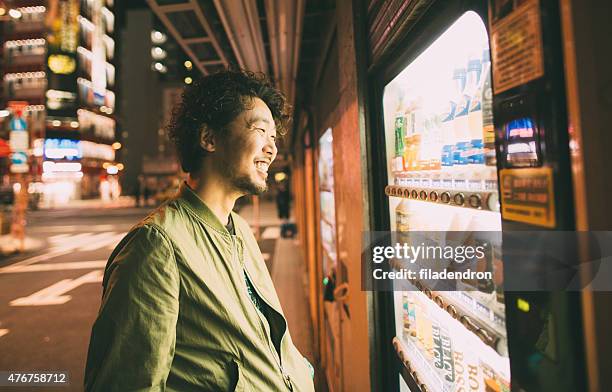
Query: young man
x: 188, y: 303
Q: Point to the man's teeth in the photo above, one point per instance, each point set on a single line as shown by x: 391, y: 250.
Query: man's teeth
x: 262, y: 166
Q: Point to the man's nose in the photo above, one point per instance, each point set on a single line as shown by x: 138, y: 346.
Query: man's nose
x: 270, y: 149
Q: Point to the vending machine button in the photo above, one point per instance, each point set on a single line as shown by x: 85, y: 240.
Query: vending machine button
x: 414, y: 376
x: 423, y: 195
x: 459, y: 199
x: 445, y: 197
x: 468, y: 323
x: 493, y: 202
x: 475, y: 201
x: 407, y: 365
x: 438, y: 299
x: 433, y: 196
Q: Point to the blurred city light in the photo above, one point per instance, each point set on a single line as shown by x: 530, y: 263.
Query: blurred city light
x: 55, y: 167
x: 15, y: 14
x: 280, y: 176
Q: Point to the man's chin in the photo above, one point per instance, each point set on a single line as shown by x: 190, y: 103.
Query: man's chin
x: 250, y: 187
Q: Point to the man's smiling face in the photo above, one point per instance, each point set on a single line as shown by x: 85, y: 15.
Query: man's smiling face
x: 248, y: 148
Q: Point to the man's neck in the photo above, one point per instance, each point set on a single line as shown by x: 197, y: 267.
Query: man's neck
x: 215, y: 193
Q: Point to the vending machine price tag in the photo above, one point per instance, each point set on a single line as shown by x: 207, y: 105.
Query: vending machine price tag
x: 527, y: 196
x: 516, y: 43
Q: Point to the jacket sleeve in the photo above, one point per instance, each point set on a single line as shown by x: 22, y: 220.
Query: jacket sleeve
x: 133, y: 339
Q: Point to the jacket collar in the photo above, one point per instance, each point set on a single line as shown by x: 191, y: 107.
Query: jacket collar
x: 201, y: 209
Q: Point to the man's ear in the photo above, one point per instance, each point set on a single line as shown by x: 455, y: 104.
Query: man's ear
x: 207, y: 138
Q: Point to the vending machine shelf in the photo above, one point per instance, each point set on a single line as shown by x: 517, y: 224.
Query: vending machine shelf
x: 416, y: 367
x: 475, y: 314
x: 480, y: 200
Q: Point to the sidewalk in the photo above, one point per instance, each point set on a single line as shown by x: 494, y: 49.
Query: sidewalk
x: 267, y: 214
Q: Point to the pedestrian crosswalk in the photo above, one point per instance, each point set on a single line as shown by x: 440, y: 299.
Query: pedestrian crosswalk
x: 85, y: 241
x: 54, y: 266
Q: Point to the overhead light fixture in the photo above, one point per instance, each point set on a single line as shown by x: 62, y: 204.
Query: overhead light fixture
x: 158, y: 53
x: 188, y: 64
x: 160, y: 67
x: 116, y: 145
x: 188, y: 80
x: 74, y: 124
x: 157, y: 37
x: 56, y: 123
x: 15, y: 14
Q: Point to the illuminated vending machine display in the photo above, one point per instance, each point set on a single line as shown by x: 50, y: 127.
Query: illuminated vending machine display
x: 327, y: 224
x: 442, y: 178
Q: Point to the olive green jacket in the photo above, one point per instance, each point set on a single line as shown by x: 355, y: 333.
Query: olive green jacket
x: 176, y: 314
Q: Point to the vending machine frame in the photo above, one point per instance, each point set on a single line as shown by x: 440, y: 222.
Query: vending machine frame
x: 568, y: 369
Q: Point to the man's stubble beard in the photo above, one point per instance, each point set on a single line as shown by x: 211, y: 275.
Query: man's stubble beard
x: 243, y: 183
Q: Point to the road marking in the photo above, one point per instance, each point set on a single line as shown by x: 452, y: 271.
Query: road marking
x: 53, y: 295
x: 74, y: 228
x: 3, y: 332
x: 86, y: 241
x: 63, y: 244
x: 53, y: 266
x: 271, y: 233
x: 42, y: 257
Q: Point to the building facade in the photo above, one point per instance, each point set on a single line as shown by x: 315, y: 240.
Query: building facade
x: 59, y: 65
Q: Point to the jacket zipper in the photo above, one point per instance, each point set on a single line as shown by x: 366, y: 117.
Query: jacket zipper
x: 263, y: 333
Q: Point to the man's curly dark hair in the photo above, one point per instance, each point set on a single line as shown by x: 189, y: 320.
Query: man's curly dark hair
x: 216, y: 100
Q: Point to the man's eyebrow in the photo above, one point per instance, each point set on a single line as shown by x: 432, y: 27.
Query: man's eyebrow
x: 253, y: 120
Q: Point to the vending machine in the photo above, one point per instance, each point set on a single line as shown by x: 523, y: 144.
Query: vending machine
x: 332, y: 313
x: 475, y: 140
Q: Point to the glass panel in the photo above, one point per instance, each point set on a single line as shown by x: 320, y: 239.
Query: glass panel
x: 440, y: 142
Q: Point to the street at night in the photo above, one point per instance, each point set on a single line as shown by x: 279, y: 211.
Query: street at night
x: 50, y: 297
